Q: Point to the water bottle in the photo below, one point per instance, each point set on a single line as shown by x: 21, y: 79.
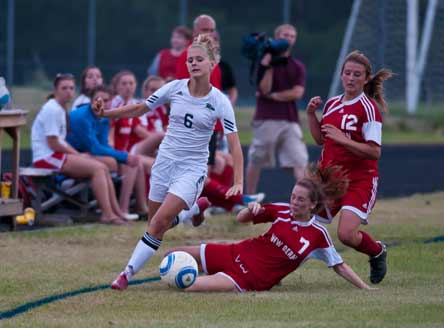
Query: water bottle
x: 4, y: 93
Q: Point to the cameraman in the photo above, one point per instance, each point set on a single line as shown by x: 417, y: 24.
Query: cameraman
x: 281, y: 82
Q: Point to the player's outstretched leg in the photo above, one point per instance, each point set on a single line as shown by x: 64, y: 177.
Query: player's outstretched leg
x: 350, y: 235
x: 162, y: 215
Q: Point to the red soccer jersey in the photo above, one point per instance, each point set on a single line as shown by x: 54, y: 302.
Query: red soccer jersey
x: 286, y: 245
x: 124, y: 136
x: 167, y: 64
x: 157, y: 119
x: 361, y: 121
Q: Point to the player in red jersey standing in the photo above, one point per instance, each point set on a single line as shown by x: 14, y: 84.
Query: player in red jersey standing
x: 260, y: 263
x: 350, y: 132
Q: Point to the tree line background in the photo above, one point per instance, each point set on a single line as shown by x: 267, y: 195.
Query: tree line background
x: 51, y: 36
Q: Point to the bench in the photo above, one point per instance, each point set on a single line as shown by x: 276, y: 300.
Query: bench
x: 46, y: 192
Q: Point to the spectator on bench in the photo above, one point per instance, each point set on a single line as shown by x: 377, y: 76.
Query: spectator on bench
x: 91, y: 78
x: 51, y: 151
x: 89, y: 134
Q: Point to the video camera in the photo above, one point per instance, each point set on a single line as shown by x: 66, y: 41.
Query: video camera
x: 256, y: 45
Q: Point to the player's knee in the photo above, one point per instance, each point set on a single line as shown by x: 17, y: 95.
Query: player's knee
x: 159, y: 225
x: 346, y: 237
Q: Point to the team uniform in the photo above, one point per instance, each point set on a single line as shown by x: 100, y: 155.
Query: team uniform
x: 180, y: 167
x: 156, y: 120
x: 50, y: 121
x: 164, y: 65
x: 260, y: 263
x: 216, y: 81
x: 124, y: 136
x: 361, y: 121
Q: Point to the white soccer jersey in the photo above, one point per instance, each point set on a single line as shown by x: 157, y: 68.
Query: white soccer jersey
x: 191, y: 120
x: 50, y: 121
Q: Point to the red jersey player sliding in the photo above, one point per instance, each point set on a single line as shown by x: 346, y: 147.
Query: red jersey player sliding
x: 294, y: 237
x: 350, y: 132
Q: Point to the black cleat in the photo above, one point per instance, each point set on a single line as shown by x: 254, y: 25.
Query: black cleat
x: 378, y: 265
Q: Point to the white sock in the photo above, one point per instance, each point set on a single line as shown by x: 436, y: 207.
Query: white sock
x: 185, y: 216
x: 145, y: 249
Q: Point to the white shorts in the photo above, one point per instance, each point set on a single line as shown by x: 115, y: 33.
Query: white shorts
x: 182, y: 179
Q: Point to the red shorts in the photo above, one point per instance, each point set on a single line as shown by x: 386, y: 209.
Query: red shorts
x: 217, y: 258
x: 53, y: 162
x: 359, y: 198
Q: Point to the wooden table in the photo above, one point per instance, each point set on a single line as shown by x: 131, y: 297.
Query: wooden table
x: 10, y: 121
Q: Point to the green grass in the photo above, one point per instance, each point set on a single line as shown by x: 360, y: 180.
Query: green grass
x: 41, y: 263
x: 427, y: 127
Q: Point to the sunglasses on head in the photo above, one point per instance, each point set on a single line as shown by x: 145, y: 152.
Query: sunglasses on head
x: 63, y: 76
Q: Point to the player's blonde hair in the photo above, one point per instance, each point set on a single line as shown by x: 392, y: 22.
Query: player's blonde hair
x: 374, y: 88
x: 209, y: 45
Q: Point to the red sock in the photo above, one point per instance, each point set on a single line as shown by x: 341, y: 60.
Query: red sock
x: 216, y: 191
x: 368, y: 245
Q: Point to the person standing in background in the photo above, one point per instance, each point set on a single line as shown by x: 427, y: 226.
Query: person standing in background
x: 276, y: 127
x: 165, y: 62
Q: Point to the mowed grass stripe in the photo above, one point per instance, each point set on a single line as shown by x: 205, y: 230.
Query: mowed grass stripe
x: 47, y: 262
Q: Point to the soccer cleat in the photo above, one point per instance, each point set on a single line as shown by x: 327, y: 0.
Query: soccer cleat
x: 203, y: 203
x: 121, y: 282
x: 378, y: 265
x: 253, y: 198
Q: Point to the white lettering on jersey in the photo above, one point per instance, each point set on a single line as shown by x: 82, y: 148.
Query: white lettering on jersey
x: 349, y: 122
x: 241, y: 266
x: 305, y: 246
x: 280, y: 244
x: 275, y: 240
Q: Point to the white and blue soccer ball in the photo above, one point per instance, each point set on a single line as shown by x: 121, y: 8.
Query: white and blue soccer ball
x: 178, y: 270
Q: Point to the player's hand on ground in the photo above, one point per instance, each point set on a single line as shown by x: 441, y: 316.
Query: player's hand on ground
x: 332, y: 132
x: 255, y: 208
x: 99, y: 107
x: 132, y: 160
x: 314, y: 104
x: 236, y: 189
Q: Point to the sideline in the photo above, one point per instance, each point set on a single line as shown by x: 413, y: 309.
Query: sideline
x: 43, y: 301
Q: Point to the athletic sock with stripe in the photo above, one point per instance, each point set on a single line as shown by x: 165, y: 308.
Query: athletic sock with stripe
x: 145, y: 249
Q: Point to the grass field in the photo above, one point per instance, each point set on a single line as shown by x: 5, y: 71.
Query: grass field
x: 42, y: 263
x: 427, y: 128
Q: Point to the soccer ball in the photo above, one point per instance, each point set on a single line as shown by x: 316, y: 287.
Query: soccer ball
x: 178, y: 270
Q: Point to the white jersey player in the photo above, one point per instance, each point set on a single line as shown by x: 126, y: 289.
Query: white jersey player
x: 180, y: 169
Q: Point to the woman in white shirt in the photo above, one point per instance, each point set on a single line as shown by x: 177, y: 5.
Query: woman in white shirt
x: 51, y: 151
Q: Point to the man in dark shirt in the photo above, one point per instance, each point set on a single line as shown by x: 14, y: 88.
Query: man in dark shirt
x: 276, y: 122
